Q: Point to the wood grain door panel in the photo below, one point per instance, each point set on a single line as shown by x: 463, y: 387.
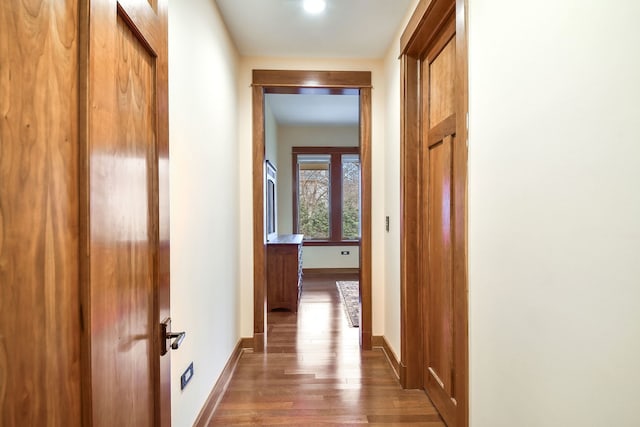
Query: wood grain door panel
x: 39, y: 222
x: 123, y: 229
x: 441, y: 84
x: 127, y: 204
x: 439, y: 289
x: 439, y: 120
x: 439, y: 309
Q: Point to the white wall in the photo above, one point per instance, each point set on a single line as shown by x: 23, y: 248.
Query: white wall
x: 554, y: 213
x: 554, y: 235
x: 392, y: 189
x: 330, y: 257
x: 309, y: 136
x: 270, y: 137
x: 245, y: 174
x: 204, y: 201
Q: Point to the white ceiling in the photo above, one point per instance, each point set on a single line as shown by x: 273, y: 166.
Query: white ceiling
x: 281, y: 28
x: 302, y: 109
x: 346, y: 29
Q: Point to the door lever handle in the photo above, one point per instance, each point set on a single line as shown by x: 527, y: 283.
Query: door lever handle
x: 179, y: 337
x: 166, y: 336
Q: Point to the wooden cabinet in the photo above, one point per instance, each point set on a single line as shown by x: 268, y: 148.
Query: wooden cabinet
x: 284, y: 272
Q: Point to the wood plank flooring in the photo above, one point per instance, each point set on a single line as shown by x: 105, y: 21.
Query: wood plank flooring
x: 313, y: 373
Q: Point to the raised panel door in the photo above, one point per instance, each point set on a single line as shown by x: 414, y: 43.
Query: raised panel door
x: 439, y: 175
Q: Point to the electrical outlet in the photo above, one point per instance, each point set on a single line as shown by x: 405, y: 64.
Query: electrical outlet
x: 345, y: 253
x: 186, y: 377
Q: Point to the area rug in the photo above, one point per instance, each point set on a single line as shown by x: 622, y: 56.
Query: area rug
x: 349, y: 291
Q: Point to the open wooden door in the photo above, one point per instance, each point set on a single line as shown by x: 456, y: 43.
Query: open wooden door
x: 438, y: 204
x: 125, y: 267
x: 434, y: 285
x: 39, y: 222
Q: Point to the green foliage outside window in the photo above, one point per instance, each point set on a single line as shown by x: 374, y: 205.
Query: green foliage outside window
x: 314, y: 196
x: 350, y: 200
x: 313, y: 203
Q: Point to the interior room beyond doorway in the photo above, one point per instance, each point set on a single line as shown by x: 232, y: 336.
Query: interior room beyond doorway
x: 302, y: 131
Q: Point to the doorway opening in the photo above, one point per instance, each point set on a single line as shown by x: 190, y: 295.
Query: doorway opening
x: 266, y: 82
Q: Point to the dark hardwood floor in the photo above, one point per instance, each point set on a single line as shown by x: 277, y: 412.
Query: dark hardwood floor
x: 313, y: 373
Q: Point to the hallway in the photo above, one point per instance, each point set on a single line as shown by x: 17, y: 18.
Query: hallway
x: 313, y: 372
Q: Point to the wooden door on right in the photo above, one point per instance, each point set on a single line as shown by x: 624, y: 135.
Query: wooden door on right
x: 440, y: 175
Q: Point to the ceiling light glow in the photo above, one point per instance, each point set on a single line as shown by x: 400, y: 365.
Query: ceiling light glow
x: 314, y: 6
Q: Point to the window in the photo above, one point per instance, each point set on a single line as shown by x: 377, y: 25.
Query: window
x: 313, y: 196
x: 326, y: 189
x: 350, y: 196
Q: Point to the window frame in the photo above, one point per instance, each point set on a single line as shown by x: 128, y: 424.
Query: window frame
x: 335, y: 199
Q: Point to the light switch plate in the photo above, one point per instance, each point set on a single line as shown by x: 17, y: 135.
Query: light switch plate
x: 186, y: 377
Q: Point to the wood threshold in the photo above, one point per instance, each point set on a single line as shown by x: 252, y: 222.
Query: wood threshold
x: 379, y: 341
x: 212, y: 402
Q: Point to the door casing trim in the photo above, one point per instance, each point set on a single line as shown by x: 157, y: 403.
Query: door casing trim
x: 427, y: 21
x: 278, y: 80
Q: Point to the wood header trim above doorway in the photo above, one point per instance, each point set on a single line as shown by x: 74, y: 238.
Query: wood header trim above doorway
x: 426, y: 22
x: 297, y: 90
x: 295, y: 78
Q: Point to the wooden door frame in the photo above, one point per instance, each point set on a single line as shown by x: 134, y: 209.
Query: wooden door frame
x: 291, y: 81
x: 424, y: 25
